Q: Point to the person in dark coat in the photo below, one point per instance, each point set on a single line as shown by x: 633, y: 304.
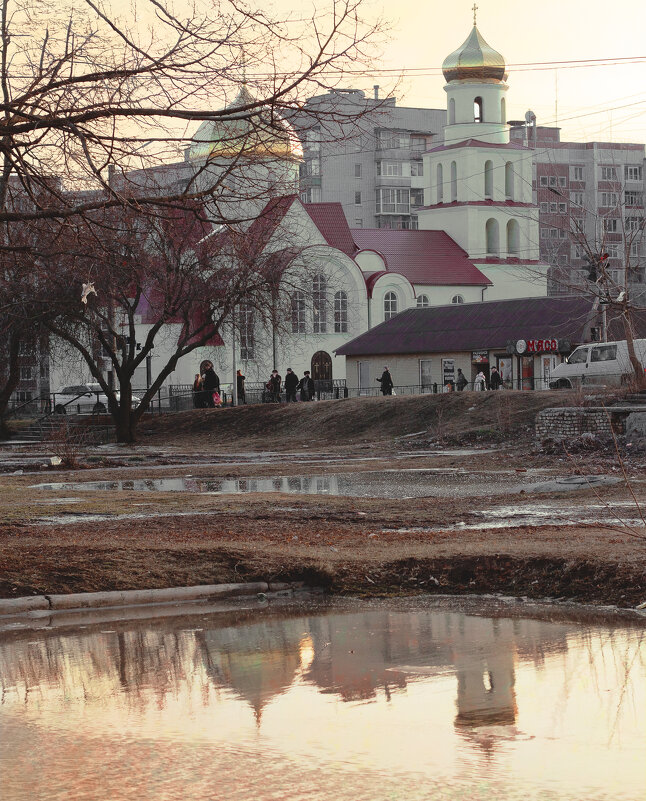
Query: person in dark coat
x: 495, y: 379
x: 386, y: 382
x: 291, y: 383
x: 461, y: 381
x: 240, y: 386
x: 210, y: 382
x: 273, y: 385
x: 307, y: 387
x: 198, y: 395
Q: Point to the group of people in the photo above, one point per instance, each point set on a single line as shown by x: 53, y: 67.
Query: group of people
x: 480, y: 381
x: 206, y: 387
x: 305, y: 386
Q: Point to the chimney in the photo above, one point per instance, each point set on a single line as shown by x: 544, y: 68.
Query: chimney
x: 376, y: 90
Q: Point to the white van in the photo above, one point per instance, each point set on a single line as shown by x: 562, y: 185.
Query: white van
x: 600, y: 363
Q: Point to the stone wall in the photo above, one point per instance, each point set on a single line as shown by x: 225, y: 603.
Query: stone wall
x: 572, y: 422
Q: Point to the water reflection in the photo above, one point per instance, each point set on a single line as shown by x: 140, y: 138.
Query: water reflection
x: 379, y: 700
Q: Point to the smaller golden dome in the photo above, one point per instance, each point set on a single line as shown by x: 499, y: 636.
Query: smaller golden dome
x: 474, y: 60
x: 263, y: 135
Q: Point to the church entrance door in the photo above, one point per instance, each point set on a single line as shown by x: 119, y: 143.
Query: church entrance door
x: 322, y: 371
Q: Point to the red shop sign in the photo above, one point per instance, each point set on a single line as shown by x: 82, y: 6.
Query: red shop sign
x: 542, y: 345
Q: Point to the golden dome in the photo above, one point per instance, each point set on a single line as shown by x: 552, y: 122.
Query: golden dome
x: 474, y: 60
x: 266, y: 135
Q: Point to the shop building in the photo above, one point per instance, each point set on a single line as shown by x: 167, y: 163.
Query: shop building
x: 523, y: 338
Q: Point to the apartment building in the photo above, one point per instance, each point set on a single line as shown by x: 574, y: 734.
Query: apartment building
x: 373, y: 165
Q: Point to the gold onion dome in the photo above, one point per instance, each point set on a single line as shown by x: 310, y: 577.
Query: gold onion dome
x: 262, y: 134
x: 474, y: 60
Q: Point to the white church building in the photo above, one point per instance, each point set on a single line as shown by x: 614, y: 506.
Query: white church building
x: 477, y: 237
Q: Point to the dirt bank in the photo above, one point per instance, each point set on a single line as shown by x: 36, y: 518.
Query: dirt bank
x: 359, y: 545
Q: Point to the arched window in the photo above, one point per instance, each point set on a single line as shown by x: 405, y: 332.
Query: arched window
x: 440, y: 184
x: 340, y: 312
x: 478, y: 110
x: 488, y: 179
x: 423, y: 301
x: 319, y: 304
x: 390, y: 305
x: 493, y: 237
x: 513, y: 237
x: 503, y: 111
x: 298, y: 313
x: 457, y: 299
x: 454, y: 181
x: 509, y: 180
x: 452, y: 111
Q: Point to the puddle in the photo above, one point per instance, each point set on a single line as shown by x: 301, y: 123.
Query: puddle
x: 414, y: 483
x: 357, y: 701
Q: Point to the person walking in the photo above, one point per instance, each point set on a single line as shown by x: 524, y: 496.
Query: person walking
x: 210, y: 383
x: 480, y: 383
x: 386, y: 382
x: 240, y: 387
x: 495, y: 379
x: 273, y: 385
x: 461, y: 381
x: 291, y: 384
x: 307, y: 387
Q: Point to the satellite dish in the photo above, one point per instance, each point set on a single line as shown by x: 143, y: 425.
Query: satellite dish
x: 530, y: 117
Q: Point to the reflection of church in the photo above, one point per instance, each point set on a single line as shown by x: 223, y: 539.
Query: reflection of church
x: 478, y: 237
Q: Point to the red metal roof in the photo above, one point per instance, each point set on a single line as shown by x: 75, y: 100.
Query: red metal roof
x: 331, y: 222
x: 423, y: 257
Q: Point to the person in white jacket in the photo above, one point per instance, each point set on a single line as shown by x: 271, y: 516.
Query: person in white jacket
x: 480, y: 383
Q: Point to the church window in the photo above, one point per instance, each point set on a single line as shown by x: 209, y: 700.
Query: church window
x: 440, y: 184
x: 513, y: 237
x: 492, y: 234
x: 454, y: 181
x: 298, y: 313
x: 390, y: 305
x: 247, y: 339
x: 478, y: 110
x: 340, y: 312
x: 319, y: 304
x: 488, y: 179
x: 503, y: 111
x: 457, y: 299
x: 452, y: 111
x: 509, y: 180
x: 422, y: 301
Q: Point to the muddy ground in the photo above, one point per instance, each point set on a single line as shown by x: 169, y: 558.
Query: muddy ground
x: 434, y: 534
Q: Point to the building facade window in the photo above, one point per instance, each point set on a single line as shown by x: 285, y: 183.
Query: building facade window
x: 552, y: 180
x: 25, y: 374
x: 632, y: 173
x: 543, y: 180
x: 544, y: 207
x: 393, y: 140
x: 311, y: 195
x: 457, y: 299
x: 562, y: 208
x: 609, y: 199
x: 611, y: 225
x: 357, y: 170
x: 634, y: 223
x: 423, y: 301
x: 393, y: 201
x: 319, y: 304
x: 553, y: 207
x: 608, y: 174
x: 357, y: 198
x: 298, y: 312
x: 577, y: 173
x: 389, y: 169
x: 416, y: 197
x: 340, y: 312
x: 416, y: 168
x: 576, y: 198
x: 545, y: 233
x: 390, y: 305
x: 633, y: 198
x: 418, y: 144
x: 562, y: 180
x: 358, y: 222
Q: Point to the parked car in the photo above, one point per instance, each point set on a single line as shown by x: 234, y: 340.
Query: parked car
x: 86, y: 398
x: 600, y: 363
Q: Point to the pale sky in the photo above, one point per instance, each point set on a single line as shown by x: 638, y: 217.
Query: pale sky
x: 603, y: 102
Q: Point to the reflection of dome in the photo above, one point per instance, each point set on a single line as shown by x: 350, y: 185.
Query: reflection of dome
x: 474, y: 60
x: 265, y: 135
